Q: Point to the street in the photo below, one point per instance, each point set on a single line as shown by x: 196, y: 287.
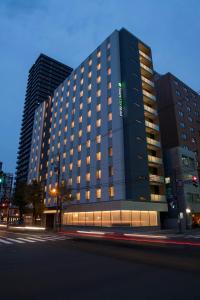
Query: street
x: 57, y: 267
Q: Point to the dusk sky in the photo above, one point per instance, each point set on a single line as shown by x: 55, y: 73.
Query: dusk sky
x: 70, y: 30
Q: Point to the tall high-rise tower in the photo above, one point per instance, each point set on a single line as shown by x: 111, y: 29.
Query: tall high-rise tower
x: 44, y: 76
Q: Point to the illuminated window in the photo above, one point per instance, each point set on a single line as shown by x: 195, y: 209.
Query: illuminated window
x: 71, y: 151
x: 75, y: 76
x: 89, y: 87
x: 72, y: 137
x: 98, y: 155
x: 65, y: 141
x: 88, y: 160
x: 87, y: 177
x: 70, y: 166
x: 90, y: 62
x: 68, y: 94
x: 63, y: 168
x: 74, y: 88
x: 109, y: 100
x: 89, y: 128
x: 87, y: 195
x: 81, y: 93
x: 98, y: 66
x: 98, y: 123
x: 55, y: 114
x: 109, y: 71
x: 70, y: 181
x: 88, y: 144
x: 78, y: 196
x: 65, y: 129
x: 111, y: 191
x: 82, y: 69
x: 72, y: 124
x: 73, y: 111
x: 98, y: 193
x: 68, y: 82
x: 61, y: 108
x: 89, y: 99
x: 80, y: 133
x: 110, y: 152
x: 110, y: 116
x: 81, y: 105
x: 98, y: 79
x: 89, y: 113
x: 80, y: 119
x: 73, y: 99
x: 64, y: 155
x: 99, y: 107
x: 98, y: 93
x: 99, y: 54
x: 79, y: 163
x: 108, y: 46
x: 78, y: 179
x: 58, y: 146
x: 90, y: 74
x: 81, y: 81
x: 109, y: 85
x: 98, y: 174
x: 98, y: 139
x: 79, y: 148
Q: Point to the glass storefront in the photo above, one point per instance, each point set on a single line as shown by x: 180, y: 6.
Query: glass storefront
x: 112, y: 218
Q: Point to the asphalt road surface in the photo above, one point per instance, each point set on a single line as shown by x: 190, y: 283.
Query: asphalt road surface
x: 48, y: 266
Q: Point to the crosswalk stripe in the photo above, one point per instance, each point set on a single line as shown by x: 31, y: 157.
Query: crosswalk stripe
x: 4, y: 241
x: 26, y: 240
x: 35, y: 239
x: 15, y: 240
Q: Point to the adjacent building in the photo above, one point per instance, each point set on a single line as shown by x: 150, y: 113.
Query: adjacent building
x: 103, y: 135
x: 44, y: 76
x: 179, y: 117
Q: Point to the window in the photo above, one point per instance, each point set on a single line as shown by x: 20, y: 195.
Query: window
x: 88, y: 144
x: 87, y: 177
x: 90, y: 74
x: 90, y: 62
x: 80, y: 119
x: 73, y: 99
x: 78, y: 179
x: 63, y: 168
x: 180, y: 113
x: 89, y: 113
x: 81, y: 93
x: 108, y: 46
x: 193, y: 140
x: 109, y: 100
x: 178, y: 93
x: 98, y: 139
x: 188, y: 109
x: 89, y: 128
x: 89, y: 99
x: 98, y: 174
x: 82, y: 69
x: 87, y: 195
x: 74, y: 88
x: 88, y: 160
x: 110, y: 116
x: 99, y: 107
x: 110, y: 171
x: 79, y: 148
x: 80, y: 133
x: 109, y: 71
x: 71, y: 152
x: 110, y: 151
x: 98, y: 123
x: 111, y: 191
x: 81, y: 106
x: 99, y: 54
x: 182, y: 124
x: 98, y: 66
x: 78, y: 196
x: 70, y: 166
x: 89, y: 87
x: 183, y: 135
x: 98, y: 79
x: 98, y: 93
x: 75, y: 76
x: 68, y: 82
x: 98, y: 193
x: 72, y: 137
x: 109, y: 85
x: 98, y: 155
x: 190, y: 119
x: 81, y: 81
x: 64, y: 155
x: 72, y: 124
x: 79, y: 163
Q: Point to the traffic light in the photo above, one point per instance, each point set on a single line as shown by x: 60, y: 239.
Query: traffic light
x: 195, y: 181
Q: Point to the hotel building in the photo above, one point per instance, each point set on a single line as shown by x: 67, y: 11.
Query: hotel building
x: 104, y: 134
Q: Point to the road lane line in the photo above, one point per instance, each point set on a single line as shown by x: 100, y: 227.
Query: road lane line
x: 36, y: 239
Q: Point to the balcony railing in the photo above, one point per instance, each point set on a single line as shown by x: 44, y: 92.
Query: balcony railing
x: 153, y: 142
x: 146, y: 68
x: 155, y: 197
x: 156, y: 178
x: 151, y: 110
x: 154, y: 159
x: 151, y: 125
x: 148, y: 81
x: 144, y: 55
x: 149, y: 95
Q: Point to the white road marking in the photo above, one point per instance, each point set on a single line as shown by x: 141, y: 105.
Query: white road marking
x: 5, y: 242
x: 26, y: 240
x: 35, y: 239
x: 15, y: 240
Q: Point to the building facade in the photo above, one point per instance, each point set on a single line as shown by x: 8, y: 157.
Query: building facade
x: 44, y: 76
x: 104, y: 134
x: 179, y: 117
